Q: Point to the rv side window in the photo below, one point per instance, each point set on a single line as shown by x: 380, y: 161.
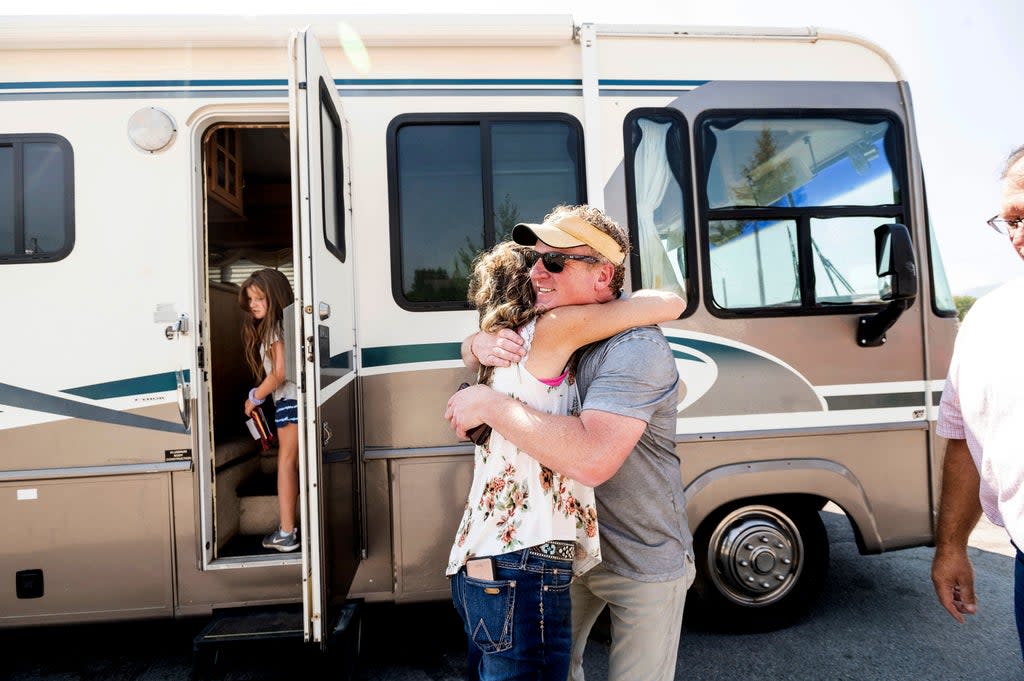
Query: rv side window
x: 657, y: 168
x: 458, y: 184
x: 791, y: 201
x: 36, y: 198
x: 942, y: 295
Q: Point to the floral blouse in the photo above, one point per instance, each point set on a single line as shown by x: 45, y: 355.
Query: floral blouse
x: 515, y: 502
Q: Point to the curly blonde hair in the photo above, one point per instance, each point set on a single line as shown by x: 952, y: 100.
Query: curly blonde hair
x: 599, y: 219
x: 502, y: 292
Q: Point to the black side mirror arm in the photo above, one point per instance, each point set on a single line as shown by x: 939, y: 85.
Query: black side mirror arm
x: 894, y: 258
x: 871, y: 328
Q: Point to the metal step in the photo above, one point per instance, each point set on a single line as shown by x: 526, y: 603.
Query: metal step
x: 276, y: 632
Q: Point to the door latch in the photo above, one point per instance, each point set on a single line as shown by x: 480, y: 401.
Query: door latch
x: 178, y: 327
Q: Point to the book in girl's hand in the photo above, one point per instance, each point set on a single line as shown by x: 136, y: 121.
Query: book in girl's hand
x: 260, y: 428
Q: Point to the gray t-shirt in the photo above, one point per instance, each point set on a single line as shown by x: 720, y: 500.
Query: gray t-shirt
x: 641, y: 511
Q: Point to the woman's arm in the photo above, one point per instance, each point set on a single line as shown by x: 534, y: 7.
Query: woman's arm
x: 579, y: 325
x: 562, y: 330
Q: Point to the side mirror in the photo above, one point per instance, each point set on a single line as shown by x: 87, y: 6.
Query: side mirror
x: 894, y: 260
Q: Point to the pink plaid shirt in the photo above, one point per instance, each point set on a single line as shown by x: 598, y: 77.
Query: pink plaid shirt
x: 983, y: 402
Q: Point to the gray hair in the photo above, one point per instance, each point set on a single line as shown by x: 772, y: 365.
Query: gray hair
x: 1011, y: 160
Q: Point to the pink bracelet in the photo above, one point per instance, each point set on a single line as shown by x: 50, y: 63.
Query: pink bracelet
x: 252, y: 398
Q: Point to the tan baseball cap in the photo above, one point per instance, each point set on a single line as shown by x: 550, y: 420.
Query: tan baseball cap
x: 567, y: 232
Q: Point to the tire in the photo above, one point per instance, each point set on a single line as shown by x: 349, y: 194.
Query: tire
x: 760, y: 566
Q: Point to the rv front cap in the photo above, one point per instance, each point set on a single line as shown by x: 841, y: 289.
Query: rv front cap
x: 568, y: 232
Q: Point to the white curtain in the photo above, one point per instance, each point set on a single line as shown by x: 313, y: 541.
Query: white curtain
x: 653, y: 177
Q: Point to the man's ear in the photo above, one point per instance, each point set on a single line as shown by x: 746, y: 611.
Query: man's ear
x: 604, y: 277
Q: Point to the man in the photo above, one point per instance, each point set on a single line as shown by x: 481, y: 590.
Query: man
x: 981, y: 413
x: 622, y: 442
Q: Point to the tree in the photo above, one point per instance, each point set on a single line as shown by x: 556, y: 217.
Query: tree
x: 767, y: 176
x: 963, y: 304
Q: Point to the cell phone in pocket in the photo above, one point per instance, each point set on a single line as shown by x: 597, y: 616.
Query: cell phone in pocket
x: 480, y: 568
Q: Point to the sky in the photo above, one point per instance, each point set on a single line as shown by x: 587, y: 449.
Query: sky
x: 964, y: 62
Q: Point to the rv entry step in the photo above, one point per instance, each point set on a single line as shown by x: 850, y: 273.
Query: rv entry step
x: 265, y: 637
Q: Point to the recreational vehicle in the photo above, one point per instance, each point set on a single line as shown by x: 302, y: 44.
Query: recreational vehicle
x: 148, y: 165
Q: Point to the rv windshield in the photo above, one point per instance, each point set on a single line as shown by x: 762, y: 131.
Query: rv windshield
x: 792, y: 205
x: 800, y: 162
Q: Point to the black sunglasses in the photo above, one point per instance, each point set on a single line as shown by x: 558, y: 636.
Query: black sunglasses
x: 555, y: 262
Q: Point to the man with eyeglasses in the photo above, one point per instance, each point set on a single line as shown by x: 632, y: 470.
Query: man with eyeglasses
x: 982, y: 413
x: 622, y: 443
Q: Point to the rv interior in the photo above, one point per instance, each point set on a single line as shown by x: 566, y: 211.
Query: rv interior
x: 248, y: 227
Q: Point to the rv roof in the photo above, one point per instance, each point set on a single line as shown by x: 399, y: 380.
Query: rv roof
x: 40, y: 32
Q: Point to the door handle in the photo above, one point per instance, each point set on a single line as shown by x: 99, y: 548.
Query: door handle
x: 178, y: 327
x: 324, y: 311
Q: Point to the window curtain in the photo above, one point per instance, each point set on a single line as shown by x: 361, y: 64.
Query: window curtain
x: 653, y: 175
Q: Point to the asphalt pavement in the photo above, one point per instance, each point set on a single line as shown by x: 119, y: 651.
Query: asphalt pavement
x: 877, y: 620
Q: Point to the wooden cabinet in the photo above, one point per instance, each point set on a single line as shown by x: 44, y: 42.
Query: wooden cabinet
x: 224, y: 168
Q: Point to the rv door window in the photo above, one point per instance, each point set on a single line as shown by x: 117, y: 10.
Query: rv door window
x: 791, y: 202
x: 459, y: 183
x: 36, y: 198
x: 333, y: 182
x: 754, y: 263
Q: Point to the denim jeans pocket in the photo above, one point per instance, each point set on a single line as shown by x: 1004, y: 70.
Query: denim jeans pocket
x: 487, y: 611
x: 557, y: 580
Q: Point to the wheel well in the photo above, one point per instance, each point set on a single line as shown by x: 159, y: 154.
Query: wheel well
x: 786, y: 481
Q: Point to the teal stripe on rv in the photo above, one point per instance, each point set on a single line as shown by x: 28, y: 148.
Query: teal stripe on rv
x: 274, y: 82
x: 342, y: 361
x: 408, y: 354
x: 139, y: 385
x: 58, y: 84
x: 652, y: 83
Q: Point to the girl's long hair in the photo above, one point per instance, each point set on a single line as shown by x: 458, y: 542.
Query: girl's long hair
x: 501, y: 290
x: 259, y: 332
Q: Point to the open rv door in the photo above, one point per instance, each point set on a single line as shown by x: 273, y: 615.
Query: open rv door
x: 325, y: 338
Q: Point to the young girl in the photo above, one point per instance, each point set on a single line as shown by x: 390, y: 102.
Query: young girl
x: 263, y: 297
x: 527, y: 529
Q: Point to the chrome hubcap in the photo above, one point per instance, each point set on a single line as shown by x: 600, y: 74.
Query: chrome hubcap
x: 755, y: 555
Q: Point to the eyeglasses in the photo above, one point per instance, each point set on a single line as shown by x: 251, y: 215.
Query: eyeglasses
x: 555, y: 262
x: 1004, y: 226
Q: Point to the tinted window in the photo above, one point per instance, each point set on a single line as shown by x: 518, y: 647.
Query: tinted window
x: 6, y: 200
x: 460, y: 184
x: 36, y: 199
x: 534, y: 168
x: 441, y: 204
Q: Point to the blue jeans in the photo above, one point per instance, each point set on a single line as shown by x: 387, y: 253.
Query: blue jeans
x: 1018, y: 597
x: 519, y: 626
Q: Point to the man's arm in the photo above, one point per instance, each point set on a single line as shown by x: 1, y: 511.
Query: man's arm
x: 959, y: 512
x: 588, y: 448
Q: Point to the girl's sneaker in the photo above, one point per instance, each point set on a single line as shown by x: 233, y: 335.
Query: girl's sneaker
x: 282, y: 541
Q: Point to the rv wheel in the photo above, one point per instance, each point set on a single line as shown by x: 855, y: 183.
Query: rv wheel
x: 759, y: 567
